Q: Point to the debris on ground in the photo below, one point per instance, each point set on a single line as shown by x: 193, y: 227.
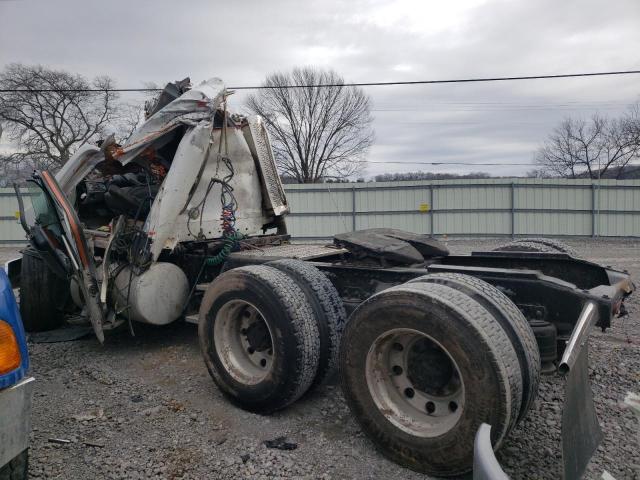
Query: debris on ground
x: 59, y: 441
x: 87, y: 416
x: 64, y: 334
x: 93, y: 444
x: 280, y: 443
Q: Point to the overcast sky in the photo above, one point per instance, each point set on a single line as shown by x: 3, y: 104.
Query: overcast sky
x: 138, y: 41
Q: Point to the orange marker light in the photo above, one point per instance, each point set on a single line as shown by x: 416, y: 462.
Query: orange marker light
x: 9, y: 350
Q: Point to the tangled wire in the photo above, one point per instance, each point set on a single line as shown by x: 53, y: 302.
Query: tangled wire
x: 230, y: 235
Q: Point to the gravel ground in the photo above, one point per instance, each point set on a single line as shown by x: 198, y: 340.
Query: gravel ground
x: 145, y: 407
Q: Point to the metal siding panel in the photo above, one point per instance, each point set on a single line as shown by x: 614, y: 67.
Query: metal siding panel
x: 485, y: 223
x: 620, y: 225
x: 391, y: 200
x: 412, y: 222
x: 547, y: 194
x: 553, y: 198
x: 620, y: 199
x: 11, y: 230
x: 532, y: 223
x: 312, y: 202
x: 317, y: 226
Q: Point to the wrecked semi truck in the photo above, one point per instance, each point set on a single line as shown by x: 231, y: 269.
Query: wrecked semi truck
x: 186, y: 220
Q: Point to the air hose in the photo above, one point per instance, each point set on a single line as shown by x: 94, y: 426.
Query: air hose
x: 229, y: 242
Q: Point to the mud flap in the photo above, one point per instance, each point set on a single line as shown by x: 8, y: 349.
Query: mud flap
x: 581, y: 432
x: 485, y: 464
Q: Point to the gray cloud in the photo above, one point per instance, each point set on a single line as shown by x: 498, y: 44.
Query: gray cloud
x: 138, y: 41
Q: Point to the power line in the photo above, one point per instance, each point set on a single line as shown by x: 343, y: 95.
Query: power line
x: 502, y: 164
x: 497, y: 106
x: 78, y: 90
x: 397, y: 162
x: 353, y: 84
x: 507, y: 108
x: 520, y: 103
x: 457, y: 80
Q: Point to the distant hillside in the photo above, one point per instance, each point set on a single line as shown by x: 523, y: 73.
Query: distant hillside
x: 628, y: 173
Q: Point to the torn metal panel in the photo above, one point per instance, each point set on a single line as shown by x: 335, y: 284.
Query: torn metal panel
x: 173, y: 194
x: 196, y: 105
x: 192, y: 107
x: 77, y: 168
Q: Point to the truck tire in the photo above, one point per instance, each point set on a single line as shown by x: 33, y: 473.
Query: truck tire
x: 511, y: 319
x: 17, y: 468
x: 43, y: 295
x: 554, y: 244
x: 423, y: 366
x: 259, y: 338
x: 534, y: 245
x: 328, y: 312
x: 524, y: 247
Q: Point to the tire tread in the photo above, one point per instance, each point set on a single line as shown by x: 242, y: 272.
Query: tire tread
x: 496, y: 338
x: 551, y: 243
x: 490, y: 342
x: 41, y: 295
x: 303, y: 326
x: 513, y: 322
x: 521, y: 246
x: 330, y: 316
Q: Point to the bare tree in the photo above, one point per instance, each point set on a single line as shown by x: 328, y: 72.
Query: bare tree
x: 49, y: 113
x: 128, y: 117
x: 317, y: 133
x: 593, y: 147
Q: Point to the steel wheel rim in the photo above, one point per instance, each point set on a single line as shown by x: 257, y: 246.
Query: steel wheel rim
x: 244, y: 342
x: 424, y: 400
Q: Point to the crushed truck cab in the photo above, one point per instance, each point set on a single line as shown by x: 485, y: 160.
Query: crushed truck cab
x: 171, y: 183
x: 187, y: 220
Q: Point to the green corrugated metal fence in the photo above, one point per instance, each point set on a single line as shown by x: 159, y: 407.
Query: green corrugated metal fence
x: 487, y: 207
x: 10, y: 230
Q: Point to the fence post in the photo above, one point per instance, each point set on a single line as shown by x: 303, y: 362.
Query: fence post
x: 431, y: 232
x: 593, y: 210
x: 513, y: 210
x: 353, y: 208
